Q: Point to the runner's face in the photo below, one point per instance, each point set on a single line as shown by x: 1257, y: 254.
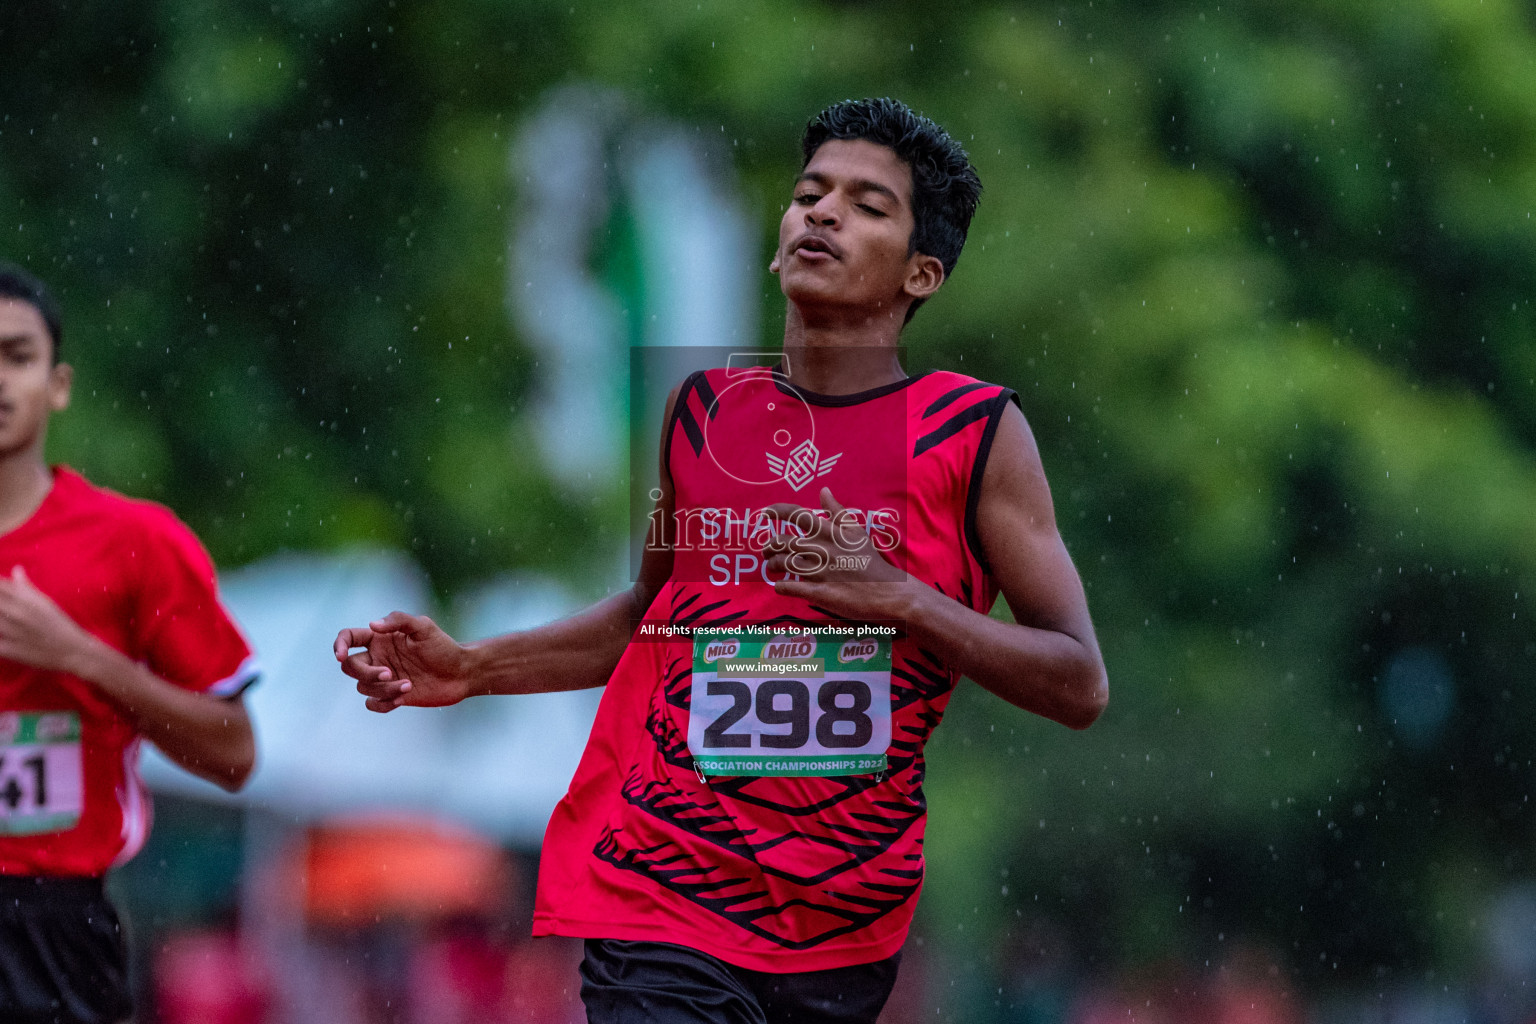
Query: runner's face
x: 31, y: 387
x: 844, y: 238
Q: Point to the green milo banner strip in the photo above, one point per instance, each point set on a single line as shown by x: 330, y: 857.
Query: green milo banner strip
x: 44, y: 727
x: 846, y: 651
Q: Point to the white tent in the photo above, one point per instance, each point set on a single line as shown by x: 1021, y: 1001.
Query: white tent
x: 497, y: 763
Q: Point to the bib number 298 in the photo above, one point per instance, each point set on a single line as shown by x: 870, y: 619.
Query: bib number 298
x: 842, y: 716
x: 796, y: 705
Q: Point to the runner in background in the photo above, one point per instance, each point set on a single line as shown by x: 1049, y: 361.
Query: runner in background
x: 742, y: 840
x: 111, y: 631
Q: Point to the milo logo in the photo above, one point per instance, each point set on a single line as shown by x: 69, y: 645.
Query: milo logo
x: 858, y: 650
x: 721, y: 649
x: 54, y: 727
x: 802, y: 647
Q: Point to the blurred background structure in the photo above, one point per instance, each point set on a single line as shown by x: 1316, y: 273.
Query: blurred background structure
x: 1262, y: 274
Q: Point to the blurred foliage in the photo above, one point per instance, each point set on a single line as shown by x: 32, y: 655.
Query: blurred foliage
x: 1262, y: 274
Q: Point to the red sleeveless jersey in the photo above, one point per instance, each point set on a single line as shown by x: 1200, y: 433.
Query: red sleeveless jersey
x: 773, y: 873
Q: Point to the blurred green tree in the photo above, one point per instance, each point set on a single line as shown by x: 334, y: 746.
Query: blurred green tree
x: 1260, y: 273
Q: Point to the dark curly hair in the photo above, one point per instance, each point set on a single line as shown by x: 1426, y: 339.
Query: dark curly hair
x: 17, y: 284
x: 945, y: 187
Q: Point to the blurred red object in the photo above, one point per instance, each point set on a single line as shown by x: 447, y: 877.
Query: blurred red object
x: 359, y: 872
x: 205, y: 977
x: 464, y: 977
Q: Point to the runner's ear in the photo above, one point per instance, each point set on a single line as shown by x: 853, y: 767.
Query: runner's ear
x: 61, y: 379
x: 924, y: 275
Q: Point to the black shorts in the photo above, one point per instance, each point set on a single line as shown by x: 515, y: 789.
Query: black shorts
x: 62, y: 958
x: 659, y: 983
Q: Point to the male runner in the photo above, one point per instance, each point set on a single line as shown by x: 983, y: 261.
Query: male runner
x: 742, y: 840
x: 110, y: 631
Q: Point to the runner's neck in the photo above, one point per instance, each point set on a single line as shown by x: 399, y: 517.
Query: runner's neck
x: 842, y: 369
x: 842, y: 350
x: 24, y: 483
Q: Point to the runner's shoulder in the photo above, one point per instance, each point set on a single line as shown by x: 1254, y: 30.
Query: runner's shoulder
x: 135, y: 522
x: 943, y: 382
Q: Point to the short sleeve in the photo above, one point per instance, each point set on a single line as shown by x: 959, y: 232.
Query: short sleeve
x: 181, y: 630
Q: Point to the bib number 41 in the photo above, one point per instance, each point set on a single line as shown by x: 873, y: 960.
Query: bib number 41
x: 41, y: 788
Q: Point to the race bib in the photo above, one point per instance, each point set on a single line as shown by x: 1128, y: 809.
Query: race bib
x: 40, y: 776
x: 789, y: 704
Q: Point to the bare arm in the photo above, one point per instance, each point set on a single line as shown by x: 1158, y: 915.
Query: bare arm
x: 408, y: 661
x: 209, y: 736
x: 1048, y: 660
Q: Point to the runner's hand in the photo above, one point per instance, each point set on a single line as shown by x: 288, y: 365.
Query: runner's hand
x: 37, y: 632
x: 838, y: 566
x: 405, y: 661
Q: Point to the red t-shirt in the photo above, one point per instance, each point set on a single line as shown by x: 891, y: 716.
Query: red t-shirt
x: 777, y: 872
x: 132, y: 574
